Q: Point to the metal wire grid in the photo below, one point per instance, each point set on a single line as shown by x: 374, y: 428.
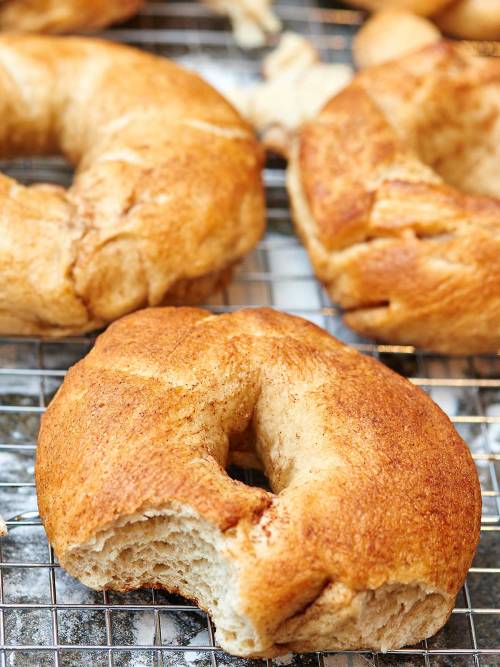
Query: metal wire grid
x: 48, y: 619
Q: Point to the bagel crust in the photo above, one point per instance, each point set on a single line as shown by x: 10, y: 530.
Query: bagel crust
x: 422, y: 7
x: 382, y: 185
x: 62, y: 16
x: 391, y: 34
x: 167, y: 194
x: 374, y: 513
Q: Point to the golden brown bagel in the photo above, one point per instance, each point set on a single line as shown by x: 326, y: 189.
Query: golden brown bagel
x: 62, y: 16
x: 167, y: 193
x: 375, y: 507
x: 395, y: 193
x: 471, y: 19
x: 391, y: 34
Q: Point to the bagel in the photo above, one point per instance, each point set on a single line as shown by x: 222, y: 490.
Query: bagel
x: 383, y: 199
x: 422, y: 7
x: 167, y: 194
x: 374, y: 513
x: 251, y: 19
x: 3, y: 527
x: 391, y: 34
x: 471, y: 19
x: 60, y: 16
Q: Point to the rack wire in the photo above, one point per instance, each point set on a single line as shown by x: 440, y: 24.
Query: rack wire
x: 46, y: 618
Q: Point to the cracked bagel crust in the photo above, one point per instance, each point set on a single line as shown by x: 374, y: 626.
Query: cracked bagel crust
x: 167, y: 194
x: 380, y: 186
x: 374, y: 513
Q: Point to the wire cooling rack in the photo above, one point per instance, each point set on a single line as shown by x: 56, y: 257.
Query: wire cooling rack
x: 46, y: 618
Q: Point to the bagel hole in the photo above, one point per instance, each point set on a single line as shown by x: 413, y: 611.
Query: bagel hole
x: 52, y: 170
x: 244, y: 464
x: 249, y: 476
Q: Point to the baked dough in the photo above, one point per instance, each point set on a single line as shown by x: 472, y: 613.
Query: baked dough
x: 3, y: 527
x: 422, y: 7
x: 391, y: 34
x: 167, y: 193
x: 375, y: 507
x: 471, y: 19
x: 60, y: 16
x: 252, y: 19
x: 395, y: 193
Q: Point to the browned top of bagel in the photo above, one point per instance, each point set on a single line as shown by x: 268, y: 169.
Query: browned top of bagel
x: 60, y: 16
x: 395, y: 190
x: 373, y: 490
x: 167, y: 190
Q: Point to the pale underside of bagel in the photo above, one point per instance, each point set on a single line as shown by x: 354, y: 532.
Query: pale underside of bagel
x: 175, y: 549
x: 183, y: 292
x: 167, y: 194
x: 399, y: 203
x: 374, y: 513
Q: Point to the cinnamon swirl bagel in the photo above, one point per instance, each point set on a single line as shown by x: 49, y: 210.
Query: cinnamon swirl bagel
x: 395, y: 193
x: 374, y: 513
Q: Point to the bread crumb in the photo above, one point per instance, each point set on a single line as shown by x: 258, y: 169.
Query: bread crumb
x: 296, y: 85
